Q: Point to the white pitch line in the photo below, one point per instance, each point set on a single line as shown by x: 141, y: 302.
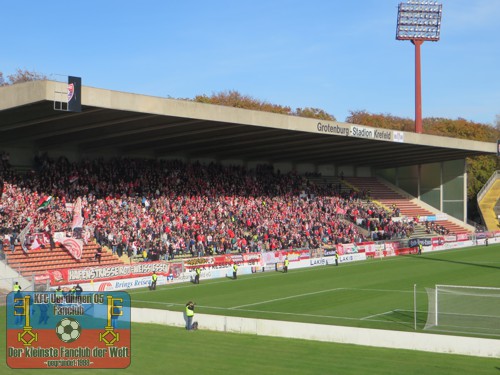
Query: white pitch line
x: 188, y: 284
x: 385, y: 290
x: 167, y: 304
x: 374, y: 315
x: 275, y: 312
x: 284, y: 298
x: 257, y: 276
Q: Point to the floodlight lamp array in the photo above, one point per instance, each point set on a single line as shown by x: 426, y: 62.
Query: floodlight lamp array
x: 419, y: 20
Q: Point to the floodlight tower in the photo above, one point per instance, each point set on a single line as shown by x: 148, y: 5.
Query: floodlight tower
x: 418, y: 21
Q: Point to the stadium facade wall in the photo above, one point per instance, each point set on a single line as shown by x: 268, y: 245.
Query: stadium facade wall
x: 319, y: 332
x: 284, y: 167
x: 327, y: 170
x: 303, y: 168
x: 363, y: 172
x: 347, y: 170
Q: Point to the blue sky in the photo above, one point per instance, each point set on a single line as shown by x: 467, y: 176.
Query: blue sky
x: 334, y: 55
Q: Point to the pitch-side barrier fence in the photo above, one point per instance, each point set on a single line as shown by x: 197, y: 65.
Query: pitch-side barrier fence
x: 137, y: 275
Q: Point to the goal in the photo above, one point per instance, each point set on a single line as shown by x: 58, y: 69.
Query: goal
x: 464, y: 309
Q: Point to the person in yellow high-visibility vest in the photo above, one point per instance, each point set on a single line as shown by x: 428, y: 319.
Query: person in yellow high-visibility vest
x: 189, y: 315
x: 154, y: 278
x: 197, y: 275
x: 59, y: 295
x: 235, y: 271
x: 285, y: 265
x: 16, y: 287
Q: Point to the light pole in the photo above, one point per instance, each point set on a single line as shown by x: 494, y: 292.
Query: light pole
x: 418, y: 21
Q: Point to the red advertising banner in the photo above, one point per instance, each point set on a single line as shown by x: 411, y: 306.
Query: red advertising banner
x: 347, y: 248
x: 82, y: 275
x: 407, y: 251
x: 450, y: 238
x: 437, y: 241
x: 223, y: 260
x: 391, y: 248
x: 273, y: 257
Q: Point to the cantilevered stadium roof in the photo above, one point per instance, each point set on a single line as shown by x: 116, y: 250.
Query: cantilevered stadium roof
x: 133, y: 124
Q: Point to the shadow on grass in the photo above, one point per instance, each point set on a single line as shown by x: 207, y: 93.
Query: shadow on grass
x: 423, y: 257
x: 405, y: 318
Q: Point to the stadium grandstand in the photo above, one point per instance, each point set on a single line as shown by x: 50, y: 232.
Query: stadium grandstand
x: 157, y: 179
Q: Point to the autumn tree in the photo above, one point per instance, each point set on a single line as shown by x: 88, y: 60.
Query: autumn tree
x: 314, y: 113
x: 235, y: 99
x: 384, y: 121
x: 460, y: 128
x: 21, y: 76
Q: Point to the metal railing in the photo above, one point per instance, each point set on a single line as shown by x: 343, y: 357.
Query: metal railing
x: 487, y: 186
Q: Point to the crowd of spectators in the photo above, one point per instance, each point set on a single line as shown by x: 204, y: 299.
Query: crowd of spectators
x: 434, y: 227
x: 381, y: 223
x: 163, y: 208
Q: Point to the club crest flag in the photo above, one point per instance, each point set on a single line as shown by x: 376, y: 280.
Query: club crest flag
x: 71, y: 91
x: 74, y: 94
x: 77, y: 215
x: 74, y: 247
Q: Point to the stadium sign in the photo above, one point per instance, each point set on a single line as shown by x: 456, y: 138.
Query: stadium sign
x: 68, y: 330
x: 370, y: 133
x: 333, y: 129
x: 358, y: 132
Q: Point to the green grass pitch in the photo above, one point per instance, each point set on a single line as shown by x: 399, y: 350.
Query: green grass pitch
x: 372, y: 294
x: 376, y: 293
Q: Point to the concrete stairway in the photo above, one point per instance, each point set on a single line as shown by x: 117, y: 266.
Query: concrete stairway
x: 487, y: 206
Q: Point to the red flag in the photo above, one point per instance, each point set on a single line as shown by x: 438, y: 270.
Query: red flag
x: 44, y: 202
x: 74, y: 247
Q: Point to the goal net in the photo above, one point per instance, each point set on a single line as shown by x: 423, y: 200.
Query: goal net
x: 464, y: 309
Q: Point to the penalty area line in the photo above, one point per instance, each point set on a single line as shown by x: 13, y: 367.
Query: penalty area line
x: 284, y: 298
x: 374, y: 315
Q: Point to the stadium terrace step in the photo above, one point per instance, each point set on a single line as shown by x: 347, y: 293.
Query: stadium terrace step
x: 336, y: 182
x: 40, y: 260
x: 382, y: 192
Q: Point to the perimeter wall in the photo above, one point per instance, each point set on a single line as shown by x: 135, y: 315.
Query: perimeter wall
x: 327, y: 333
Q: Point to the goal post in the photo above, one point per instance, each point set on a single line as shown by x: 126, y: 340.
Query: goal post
x: 464, y: 309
